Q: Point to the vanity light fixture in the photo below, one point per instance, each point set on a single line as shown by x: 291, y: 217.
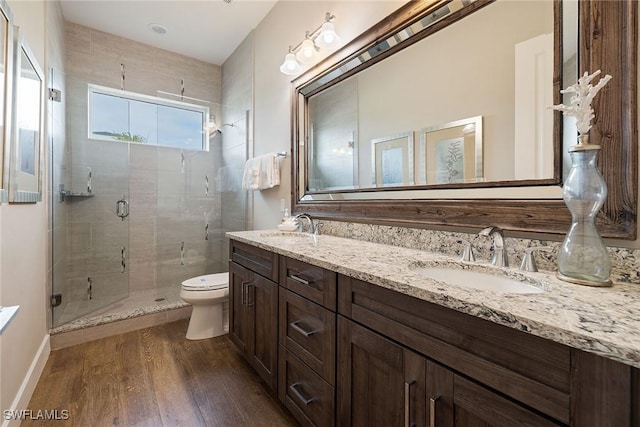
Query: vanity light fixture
x: 306, y: 52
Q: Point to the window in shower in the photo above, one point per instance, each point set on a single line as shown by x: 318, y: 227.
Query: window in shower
x: 117, y: 115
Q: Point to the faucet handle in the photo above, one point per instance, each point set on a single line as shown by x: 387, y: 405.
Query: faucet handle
x: 529, y: 260
x: 467, y: 252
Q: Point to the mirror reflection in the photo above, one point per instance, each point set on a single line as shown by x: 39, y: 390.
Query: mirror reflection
x: 25, y: 171
x: 496, y: 63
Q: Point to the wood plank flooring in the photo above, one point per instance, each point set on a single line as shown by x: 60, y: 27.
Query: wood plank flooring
x: 154, y: 377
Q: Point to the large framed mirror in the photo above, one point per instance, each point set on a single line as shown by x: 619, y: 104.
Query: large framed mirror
x: 393, y: 79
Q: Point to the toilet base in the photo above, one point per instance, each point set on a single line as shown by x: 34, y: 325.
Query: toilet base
x: 207, y: 321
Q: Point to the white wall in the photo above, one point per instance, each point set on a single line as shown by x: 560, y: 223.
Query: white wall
x: 286, y: 25
x: 24, y: 344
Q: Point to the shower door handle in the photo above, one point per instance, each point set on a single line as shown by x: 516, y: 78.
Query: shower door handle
x: 123, y: 259
x: 122, y: 208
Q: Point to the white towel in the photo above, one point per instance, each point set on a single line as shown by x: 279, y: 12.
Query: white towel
x: 261, y: 172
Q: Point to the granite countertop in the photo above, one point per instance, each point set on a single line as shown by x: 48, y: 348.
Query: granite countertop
x: 604, y: 321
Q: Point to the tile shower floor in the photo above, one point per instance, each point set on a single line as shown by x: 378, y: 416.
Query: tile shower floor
x: 138, y: 303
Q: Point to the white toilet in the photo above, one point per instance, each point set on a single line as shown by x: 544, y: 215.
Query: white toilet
x: 208, y: 295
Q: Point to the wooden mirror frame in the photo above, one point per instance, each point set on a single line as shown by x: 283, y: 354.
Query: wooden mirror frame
x: 607, y: 38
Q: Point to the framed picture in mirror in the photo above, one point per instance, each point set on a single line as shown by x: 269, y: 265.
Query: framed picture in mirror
x: 451, y: 153
x: 6, y: 48
x: 25, y: 168
x: 392, y: 160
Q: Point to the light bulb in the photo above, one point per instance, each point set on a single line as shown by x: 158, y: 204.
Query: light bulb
x: 290, y: 66
x: 328, y: 39
x: 307, y: 53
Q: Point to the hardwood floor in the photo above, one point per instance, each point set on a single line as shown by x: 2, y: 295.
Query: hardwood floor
x: 154, y: 377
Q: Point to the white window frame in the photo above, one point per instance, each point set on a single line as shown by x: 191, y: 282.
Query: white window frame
x: 150, y: 99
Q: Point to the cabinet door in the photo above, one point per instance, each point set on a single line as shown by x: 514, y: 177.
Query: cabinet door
x: 453, y: 400
x: 380, y: 383
x: 262, y: 301
x: 240, y: 322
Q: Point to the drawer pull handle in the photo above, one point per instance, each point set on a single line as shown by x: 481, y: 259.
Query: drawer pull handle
x: 432, y: 410
x: 299, y: 279
x: 245, y: 292
x: 243, y: 288
x: 251, y: 300
x: 298, y: 394
x: 407, y: 403
x: 295, y: 326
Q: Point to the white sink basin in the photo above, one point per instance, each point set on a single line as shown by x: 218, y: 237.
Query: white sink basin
x: 478, y: 280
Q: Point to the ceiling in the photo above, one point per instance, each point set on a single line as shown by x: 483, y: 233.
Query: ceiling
x: 209, y: 30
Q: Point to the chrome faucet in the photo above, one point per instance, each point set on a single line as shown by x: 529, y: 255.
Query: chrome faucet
x: 311, y: 228
x: 499, y: 258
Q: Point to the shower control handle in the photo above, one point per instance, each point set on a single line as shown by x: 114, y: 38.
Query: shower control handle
x: 122, y: 208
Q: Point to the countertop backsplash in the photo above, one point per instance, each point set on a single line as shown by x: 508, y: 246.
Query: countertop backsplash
x: 625, y: 263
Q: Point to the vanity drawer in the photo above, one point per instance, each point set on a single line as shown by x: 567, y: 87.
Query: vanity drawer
x: 314, y: 283
x: 309, y: 331
x: 309, y: 398
x: 527, y: 368
x: 255, y: 259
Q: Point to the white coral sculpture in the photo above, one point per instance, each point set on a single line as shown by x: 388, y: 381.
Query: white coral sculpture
x: 580, y: 107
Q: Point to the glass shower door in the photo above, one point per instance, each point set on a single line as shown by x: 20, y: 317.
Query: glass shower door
x: 95, y: 196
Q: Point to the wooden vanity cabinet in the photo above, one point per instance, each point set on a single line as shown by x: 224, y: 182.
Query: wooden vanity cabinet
x: 253, y: 311
x: 307, y: 354
x: 342, y: 351
x: 382, y: 383
x: 478, y: 373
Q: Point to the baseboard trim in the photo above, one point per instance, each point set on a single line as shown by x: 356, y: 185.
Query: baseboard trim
x: 30, y: 381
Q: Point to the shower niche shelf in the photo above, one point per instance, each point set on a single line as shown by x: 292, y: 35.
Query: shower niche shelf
x: 64, y: 194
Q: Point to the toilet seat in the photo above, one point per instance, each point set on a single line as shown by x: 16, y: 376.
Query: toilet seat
x: 208, y: 282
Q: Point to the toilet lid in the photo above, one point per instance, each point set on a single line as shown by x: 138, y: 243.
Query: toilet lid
x: 207, y: 282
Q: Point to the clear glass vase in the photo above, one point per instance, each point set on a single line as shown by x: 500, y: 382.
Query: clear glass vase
x: 583, y: 256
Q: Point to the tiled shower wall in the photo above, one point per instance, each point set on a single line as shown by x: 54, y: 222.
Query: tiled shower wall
x: 174, y: 229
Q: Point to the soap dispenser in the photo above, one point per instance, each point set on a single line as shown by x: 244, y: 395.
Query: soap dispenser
x: 288, y: 223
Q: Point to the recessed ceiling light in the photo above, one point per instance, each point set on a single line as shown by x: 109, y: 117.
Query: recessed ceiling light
x: 157, y: 28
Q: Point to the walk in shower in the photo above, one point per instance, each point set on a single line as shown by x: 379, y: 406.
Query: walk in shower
x: 141, y: 195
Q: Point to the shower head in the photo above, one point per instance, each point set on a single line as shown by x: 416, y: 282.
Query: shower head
x: 219, y: 130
